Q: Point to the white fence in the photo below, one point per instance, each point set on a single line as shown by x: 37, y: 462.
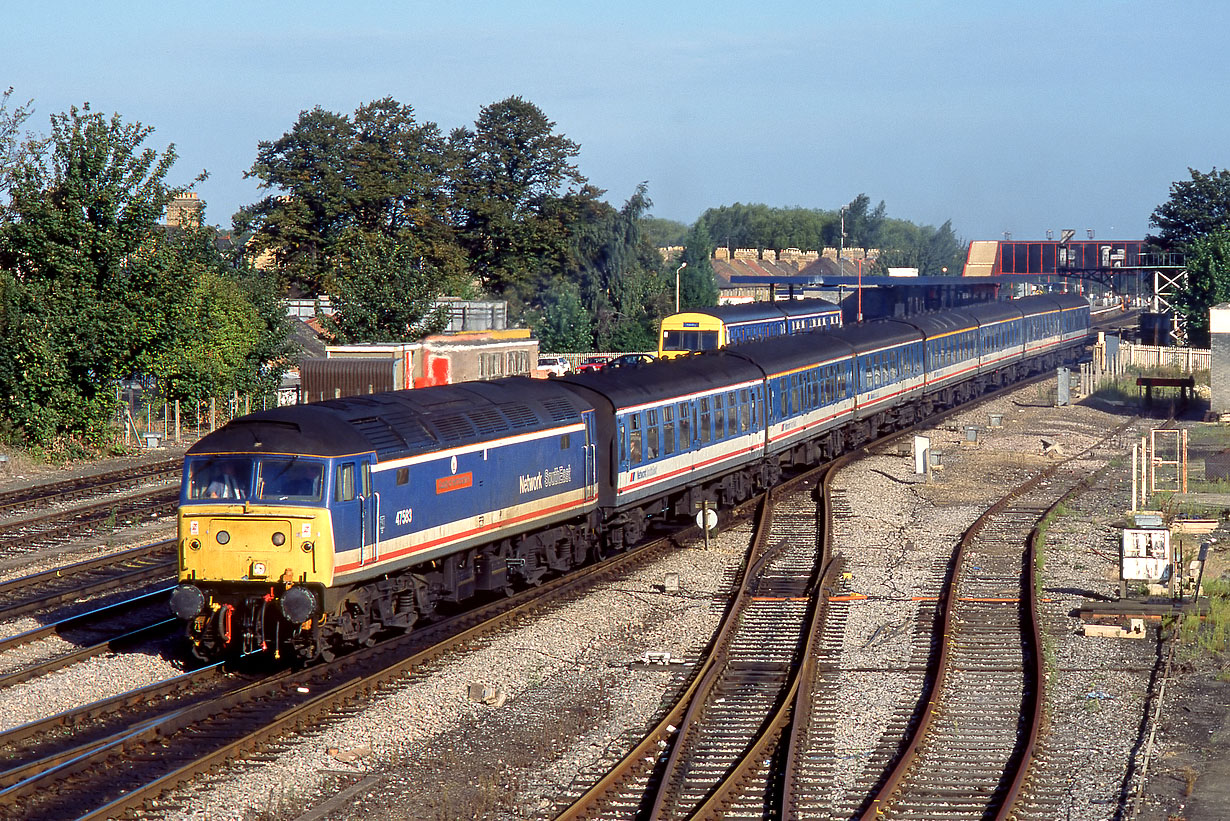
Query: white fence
x: 1187, y: 360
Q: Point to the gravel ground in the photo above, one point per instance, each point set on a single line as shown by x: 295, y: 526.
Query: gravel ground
x: 573, y: 685
x: 90, y: 680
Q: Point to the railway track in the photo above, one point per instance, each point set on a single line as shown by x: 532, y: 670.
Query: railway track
x: 751, y: 740
x: 147, y: 748
x: 972, y: 748
x: 714, y: 747
x: 32, y: 534
x: 127, y: 570
x: 107, y: 629
x: 43, y: 495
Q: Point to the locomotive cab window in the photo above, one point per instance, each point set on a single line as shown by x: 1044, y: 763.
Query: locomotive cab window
x: 403, y: 476
x: 219, y: 478
x: 345, y: 485
x: 289, y: 479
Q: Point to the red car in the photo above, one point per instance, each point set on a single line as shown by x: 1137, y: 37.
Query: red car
x: 593, y: 363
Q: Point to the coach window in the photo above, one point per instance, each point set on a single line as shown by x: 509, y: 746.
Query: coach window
x: 668, y: 430
x: 796, y: 395
x: 623, y: 443
x: 651, y: 434
x: 705, y: 421
x: 344, y: 487
x: 732, y: 412
x: 719, y: 418
x: 685, y: 427
x: 745, y: 412
x: 634, y: 439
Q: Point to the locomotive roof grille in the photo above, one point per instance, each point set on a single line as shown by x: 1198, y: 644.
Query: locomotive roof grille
x: 383, y: 437
x: 520, y: 415
x: 487, y: 420
x: 453, y: 428
x: 560, y: 410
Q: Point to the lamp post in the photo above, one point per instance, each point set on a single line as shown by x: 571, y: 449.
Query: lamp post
x: 860, y: 290
x: 677, y: 270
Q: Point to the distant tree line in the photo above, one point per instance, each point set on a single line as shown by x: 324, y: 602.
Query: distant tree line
x: 934, y: 251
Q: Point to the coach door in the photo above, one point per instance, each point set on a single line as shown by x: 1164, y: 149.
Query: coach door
x: 591, y: 460
x: 355, y: 511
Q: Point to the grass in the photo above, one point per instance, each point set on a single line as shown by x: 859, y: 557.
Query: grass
x: 1124, y: 389
x: 1209, y: 637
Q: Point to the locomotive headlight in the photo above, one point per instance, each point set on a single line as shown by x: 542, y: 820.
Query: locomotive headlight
x: 223, y: 537
x: 187, y: 601
x: 279, y: 539
x: 298, y: 604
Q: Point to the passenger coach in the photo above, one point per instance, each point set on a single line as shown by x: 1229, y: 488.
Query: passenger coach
x: 708, y: 329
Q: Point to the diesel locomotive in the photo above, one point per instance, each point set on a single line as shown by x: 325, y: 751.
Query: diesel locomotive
x: 314, y: 527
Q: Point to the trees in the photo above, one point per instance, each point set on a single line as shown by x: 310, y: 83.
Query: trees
x: 863, y: 225
x: 514, y: 182
x: 618, y: 272
x: 928, y: 249
x: 564, y: 325
x: 81, y: 214
x: 1193, y: 220
x: 697, y: 286
x: 385, y: 291
x: 381, y: 172
x: 1197, y: 208
x: 759, y: 226
x: 93, y: 290
x: 13, y: 147
x: 1208, y: 283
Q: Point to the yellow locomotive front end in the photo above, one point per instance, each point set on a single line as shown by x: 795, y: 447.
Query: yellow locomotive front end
x: 255, y: 552
x: 690, y: 332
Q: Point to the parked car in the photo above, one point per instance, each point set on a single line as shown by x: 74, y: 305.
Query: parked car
x: 554, y: 365
x: 592, y: 363
x: 627, y: 359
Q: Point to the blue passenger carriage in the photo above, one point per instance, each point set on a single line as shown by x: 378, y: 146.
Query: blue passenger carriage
x: 669, y: 427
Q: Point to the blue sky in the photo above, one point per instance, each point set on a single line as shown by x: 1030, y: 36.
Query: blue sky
x: 1000, y: 116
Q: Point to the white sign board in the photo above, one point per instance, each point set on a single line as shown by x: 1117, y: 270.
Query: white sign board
x: 1146, y: 554
x: 708, y: 516
x: 922, y: 444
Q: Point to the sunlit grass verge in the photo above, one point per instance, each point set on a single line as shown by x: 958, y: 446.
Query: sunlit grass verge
x: 1208, y: 638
